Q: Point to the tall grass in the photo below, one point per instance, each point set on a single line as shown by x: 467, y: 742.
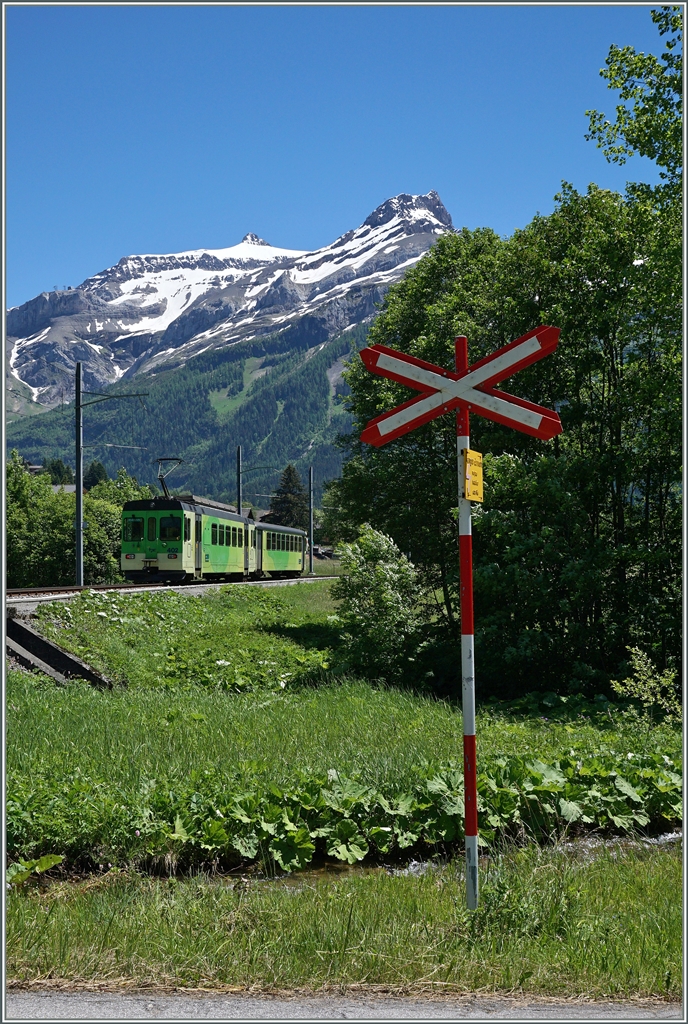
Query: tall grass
x: 382, y: 736
x: 547, y: 923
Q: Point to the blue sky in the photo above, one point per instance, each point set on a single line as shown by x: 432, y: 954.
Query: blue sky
x: 141, y: 129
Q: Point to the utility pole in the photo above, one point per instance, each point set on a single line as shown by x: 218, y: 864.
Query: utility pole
x: 310, y: 521
x: 79, y: 445
x: 238, y: 472
x: 79, y: 482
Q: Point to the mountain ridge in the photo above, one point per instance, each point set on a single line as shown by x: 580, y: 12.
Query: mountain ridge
x: 155, y: 311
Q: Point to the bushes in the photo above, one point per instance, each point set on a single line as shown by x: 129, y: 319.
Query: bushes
x: 41, y: 546
x: 379, y: 593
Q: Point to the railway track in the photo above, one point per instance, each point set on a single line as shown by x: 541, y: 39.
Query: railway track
x: 34, y: 595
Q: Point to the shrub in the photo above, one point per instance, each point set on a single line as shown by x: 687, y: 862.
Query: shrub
x: 379, y: 592
x: 653, y: 689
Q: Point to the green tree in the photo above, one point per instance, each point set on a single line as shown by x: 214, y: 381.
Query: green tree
x: 649, y: 120
x: 58, y: 472
x: 95, y: 474
x: 289, y: 504
x: 124, y: 488
x: 577, y: 546
x: 40, y: 533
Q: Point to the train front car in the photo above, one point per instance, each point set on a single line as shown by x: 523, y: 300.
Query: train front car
x: 157, y: 540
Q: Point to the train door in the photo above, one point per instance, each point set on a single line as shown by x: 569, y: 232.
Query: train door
x: 258, y: 534
x: 199, y: 544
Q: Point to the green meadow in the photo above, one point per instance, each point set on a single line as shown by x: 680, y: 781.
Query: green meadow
x: 232, y: 746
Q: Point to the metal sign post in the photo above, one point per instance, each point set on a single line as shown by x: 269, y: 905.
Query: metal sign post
x: 468, y: 389
x: 470, y: 776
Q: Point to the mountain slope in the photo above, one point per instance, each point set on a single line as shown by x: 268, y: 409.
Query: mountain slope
x: 152, y: 312
x: 244, y: 345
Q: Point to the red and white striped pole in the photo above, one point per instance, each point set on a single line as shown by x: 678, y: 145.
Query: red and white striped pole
x: 467, y: 645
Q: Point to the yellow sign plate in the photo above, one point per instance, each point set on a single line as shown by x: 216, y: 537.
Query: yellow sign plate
x: 473, y: 475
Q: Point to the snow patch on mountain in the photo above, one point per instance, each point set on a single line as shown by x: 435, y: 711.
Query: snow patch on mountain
x: 150, y: 310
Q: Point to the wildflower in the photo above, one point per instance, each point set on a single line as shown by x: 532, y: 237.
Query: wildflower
x: 629, y: 756
x: 137, y: 832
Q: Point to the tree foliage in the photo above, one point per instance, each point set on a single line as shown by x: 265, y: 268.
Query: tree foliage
x: 124, y: 488
x: 94, y: 474
x: 654, y: 690
x: 41, y: 544
x: 58, y: 472
x: 649, y: 120
x: 289, y: 504
x: 577, y: 546
x: 379, y: 591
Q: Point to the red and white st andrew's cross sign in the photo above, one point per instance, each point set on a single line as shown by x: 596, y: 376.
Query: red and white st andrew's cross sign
x: 472, y: 390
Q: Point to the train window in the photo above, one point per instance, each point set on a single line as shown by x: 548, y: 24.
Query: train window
x: 170, y: 528
x: 253, y: 538
x: 199, y: 531
x: 283, y: 542
x: 245, y: 532
x: 133, y: 528
x: 152, y: 533
x: 187, y: 528
x: 234, y: 536
x: 221, y: 534
x: 213, y: 533
x: 268, y: 541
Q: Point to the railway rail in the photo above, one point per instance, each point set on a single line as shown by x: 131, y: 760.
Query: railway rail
x: 23, y: 594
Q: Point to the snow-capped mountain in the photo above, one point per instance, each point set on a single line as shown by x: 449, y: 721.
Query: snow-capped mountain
x: 151, y: 311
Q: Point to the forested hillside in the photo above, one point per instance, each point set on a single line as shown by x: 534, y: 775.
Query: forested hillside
x: 278, y: 399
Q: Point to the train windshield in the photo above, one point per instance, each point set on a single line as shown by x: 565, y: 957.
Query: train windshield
x: 133, y: 528
x: 170, y: 528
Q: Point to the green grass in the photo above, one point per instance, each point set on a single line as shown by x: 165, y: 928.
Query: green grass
x: 326, y: 566
x: 235, y: 739
x: 548, y: 923
x: 235, y: 744
x: 224, y: 404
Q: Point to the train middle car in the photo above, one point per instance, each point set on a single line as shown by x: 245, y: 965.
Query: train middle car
x: 176, y: 539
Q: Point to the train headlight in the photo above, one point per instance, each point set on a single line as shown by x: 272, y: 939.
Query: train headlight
x: 130, y: 556
x: 171, y: 556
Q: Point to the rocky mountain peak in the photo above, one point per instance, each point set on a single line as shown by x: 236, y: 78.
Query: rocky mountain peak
x: 155, y: 310
x: 410, y: 208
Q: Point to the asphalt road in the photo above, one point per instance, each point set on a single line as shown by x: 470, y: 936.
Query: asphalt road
x: 183, y: 1006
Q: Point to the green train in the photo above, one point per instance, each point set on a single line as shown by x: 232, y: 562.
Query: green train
x: 173, y: 539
